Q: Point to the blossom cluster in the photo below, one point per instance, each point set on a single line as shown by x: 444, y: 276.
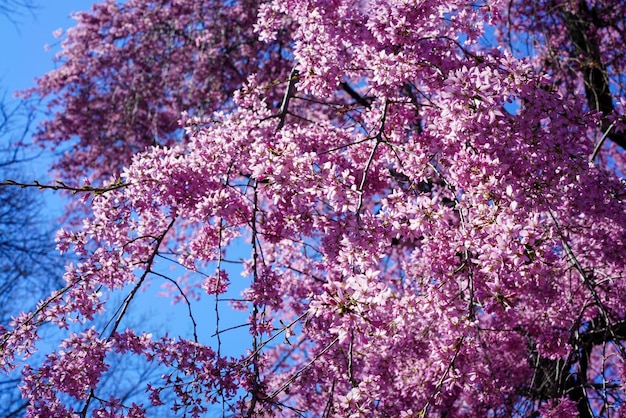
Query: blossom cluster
x: 428, y: 230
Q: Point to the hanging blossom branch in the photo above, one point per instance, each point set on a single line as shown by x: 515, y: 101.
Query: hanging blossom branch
x: 586, y: 279
x: 578, y: 386
x: 120, y: 313
x: 457, y: 349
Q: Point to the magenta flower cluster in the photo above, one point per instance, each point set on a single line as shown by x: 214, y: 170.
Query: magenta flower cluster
x: 433, y: 225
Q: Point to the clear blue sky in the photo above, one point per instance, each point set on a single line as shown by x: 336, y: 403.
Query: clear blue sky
x: 24, y: 36
x: 23, y: 40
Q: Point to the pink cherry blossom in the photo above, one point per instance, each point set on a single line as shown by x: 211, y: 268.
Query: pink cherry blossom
x: 416, y: 245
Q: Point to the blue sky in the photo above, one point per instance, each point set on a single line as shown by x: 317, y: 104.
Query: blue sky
x: 25, y: 35
x: 24, y: 39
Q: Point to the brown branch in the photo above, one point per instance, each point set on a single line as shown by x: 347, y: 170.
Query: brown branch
x: 363, y: 101
x: 457, y: 349
x: 59, y: 185
x: 289, y: 92
x: 595, y: 74
x: 303, y: 369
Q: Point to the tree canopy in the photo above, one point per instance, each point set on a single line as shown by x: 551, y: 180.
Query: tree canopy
x: 431, y: 193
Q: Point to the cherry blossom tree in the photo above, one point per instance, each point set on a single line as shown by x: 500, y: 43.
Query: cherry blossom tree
x: 127, y: 72
x: 434, y: 213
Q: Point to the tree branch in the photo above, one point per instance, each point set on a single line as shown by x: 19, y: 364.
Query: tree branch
x: 62, y: 186
x: 595, y: 75
x: 289, y: 92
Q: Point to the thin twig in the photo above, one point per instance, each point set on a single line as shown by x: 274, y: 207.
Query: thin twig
x: 459, y: 343
x: 370, y: 160
x: 599, y: 144
x: 306, y: 366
